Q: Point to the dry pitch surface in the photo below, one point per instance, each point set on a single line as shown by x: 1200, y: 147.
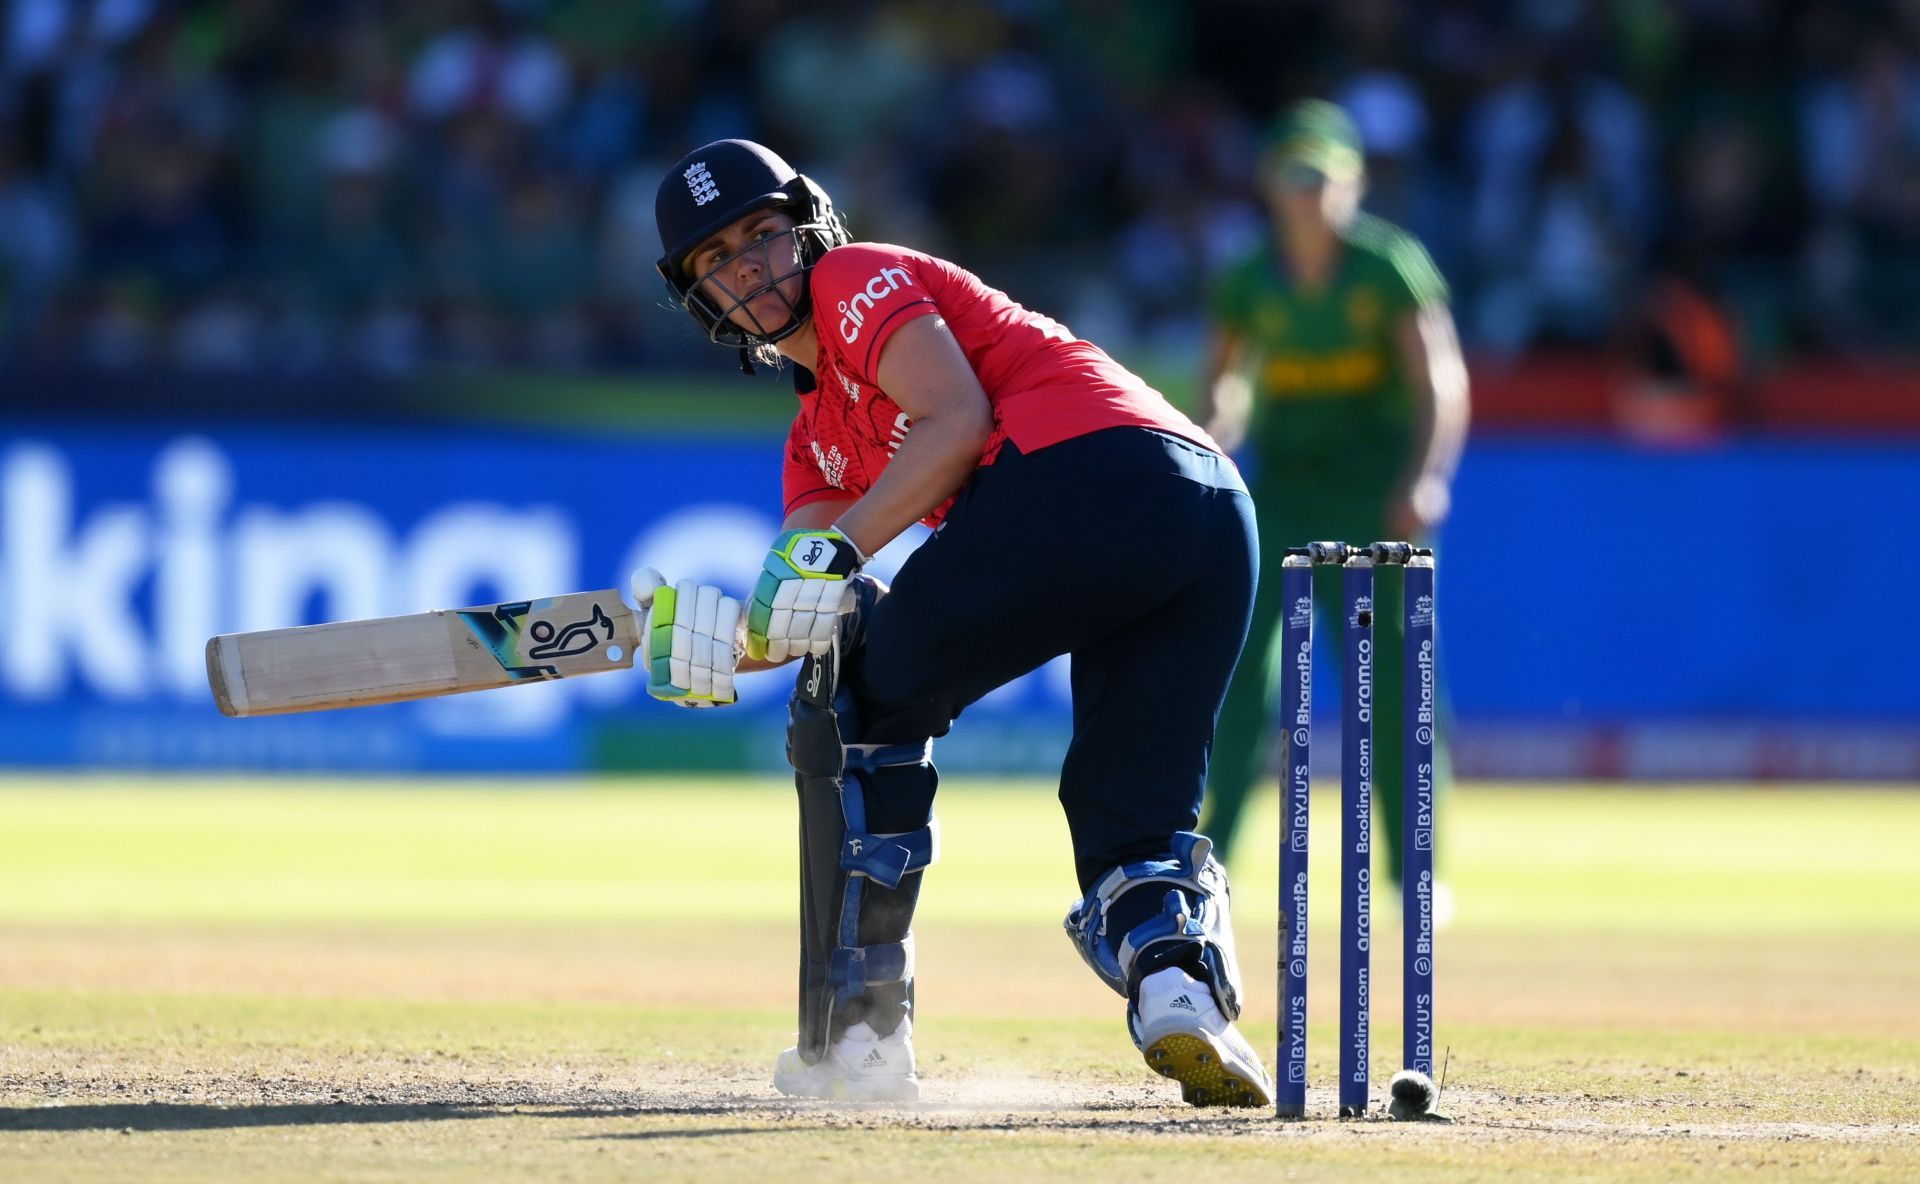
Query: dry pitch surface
x: 430, y: 981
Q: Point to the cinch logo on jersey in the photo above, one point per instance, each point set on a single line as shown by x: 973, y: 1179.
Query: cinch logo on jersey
x: 700, y: 183
x: 853, y: 313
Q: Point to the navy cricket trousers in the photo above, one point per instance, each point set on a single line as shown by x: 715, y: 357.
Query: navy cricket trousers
x: 1133, y: 551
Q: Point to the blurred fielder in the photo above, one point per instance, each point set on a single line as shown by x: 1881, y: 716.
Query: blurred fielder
x: 1335, y: 363
x: 1075, y: 512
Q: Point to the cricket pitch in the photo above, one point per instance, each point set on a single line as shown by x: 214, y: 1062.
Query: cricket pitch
x: 422, y: 981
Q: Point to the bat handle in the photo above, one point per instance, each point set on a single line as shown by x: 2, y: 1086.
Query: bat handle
x: 643, y: 581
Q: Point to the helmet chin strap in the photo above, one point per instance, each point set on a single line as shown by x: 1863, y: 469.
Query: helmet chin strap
x: 753, y: 340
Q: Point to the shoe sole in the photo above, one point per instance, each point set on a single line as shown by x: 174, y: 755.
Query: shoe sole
x: 1205, y: 1077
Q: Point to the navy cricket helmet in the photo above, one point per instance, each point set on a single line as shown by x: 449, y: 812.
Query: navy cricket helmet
x: 720, y: 183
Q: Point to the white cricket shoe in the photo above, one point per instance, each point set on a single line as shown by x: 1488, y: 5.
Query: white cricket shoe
x: 1181, y: 1032
x: 861, y: 1066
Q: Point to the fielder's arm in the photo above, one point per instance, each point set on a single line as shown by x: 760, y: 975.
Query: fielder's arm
x: 1226, y: 393
x: 1430, y: 358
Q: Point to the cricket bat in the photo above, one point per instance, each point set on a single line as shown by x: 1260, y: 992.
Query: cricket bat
x: 448, y: 652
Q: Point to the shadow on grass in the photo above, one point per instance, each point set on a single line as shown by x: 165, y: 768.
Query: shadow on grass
x: 171, y: 1116
x: 176, y: 1116
x: 707, y: 1133
x: 783, y: 1117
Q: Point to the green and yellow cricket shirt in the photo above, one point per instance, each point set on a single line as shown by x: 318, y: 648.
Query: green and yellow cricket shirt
x: 1324, y: 365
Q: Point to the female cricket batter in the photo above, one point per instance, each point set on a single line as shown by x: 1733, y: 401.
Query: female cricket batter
x: 1075, y: 512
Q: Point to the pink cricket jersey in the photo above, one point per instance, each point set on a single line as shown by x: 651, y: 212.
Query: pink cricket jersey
x: 1045, y: 384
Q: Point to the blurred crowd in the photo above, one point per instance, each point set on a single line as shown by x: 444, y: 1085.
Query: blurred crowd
x: 303, y: 184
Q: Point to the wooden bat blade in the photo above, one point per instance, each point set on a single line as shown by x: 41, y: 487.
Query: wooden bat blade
x: 448, y: 652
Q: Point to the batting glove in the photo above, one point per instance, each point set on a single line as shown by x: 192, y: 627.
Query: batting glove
x: 691, y: 642
x: 802, y: 589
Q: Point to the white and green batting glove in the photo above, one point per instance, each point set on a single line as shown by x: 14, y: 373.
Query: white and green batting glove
x: 691, y: 640
x: 802, y: 588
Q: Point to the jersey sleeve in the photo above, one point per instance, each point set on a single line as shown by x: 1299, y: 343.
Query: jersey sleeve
x: 800, y: 481
x: 1418, y: 282
x: 863, y: 293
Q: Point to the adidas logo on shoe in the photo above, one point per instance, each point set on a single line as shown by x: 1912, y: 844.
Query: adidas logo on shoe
x: 1184, y: 1002
x: 859, y: 1067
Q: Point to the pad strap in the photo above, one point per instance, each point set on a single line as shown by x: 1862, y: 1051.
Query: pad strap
x: 868, y: 757
x: 1193, y: 913
x: 853, y: 969
x: 886, y: 858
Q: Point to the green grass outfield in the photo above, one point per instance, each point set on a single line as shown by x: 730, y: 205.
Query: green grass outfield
x: 223, y: 980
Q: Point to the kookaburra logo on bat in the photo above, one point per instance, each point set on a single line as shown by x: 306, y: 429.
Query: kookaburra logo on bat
x: 565, y: 641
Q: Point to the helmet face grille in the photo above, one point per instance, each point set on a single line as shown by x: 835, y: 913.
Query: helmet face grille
x: 713, y: 301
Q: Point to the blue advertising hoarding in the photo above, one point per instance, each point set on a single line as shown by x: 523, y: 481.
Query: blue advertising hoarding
x: 1604, y: 611
x: 123, y: 550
